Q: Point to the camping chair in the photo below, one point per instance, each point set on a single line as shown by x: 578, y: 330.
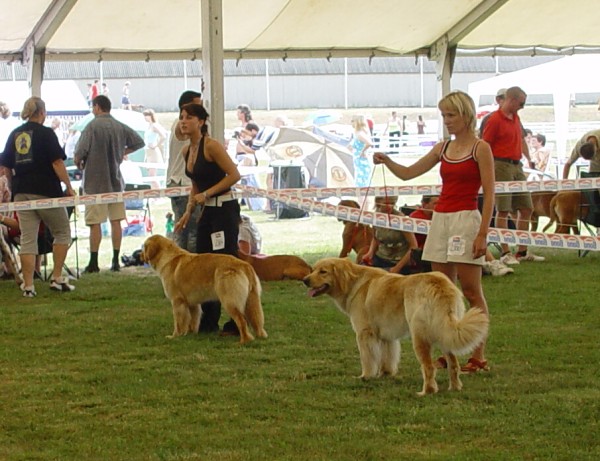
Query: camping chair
x: 9, y: 255
x: 590, y: 200
x: 138, y: 205
x: 45, y: 240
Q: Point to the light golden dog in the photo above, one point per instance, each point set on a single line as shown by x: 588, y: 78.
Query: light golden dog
x: 385, y: 307
x: 277, y: 267
x: 191, y: 279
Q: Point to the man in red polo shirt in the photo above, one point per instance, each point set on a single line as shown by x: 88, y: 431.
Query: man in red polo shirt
x: 503, y: 132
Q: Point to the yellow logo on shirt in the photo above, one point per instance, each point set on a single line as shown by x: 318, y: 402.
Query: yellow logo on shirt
x: 23, y: 143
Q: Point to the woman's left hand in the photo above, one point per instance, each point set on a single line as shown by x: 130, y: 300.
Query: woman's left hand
x: 479, y: 246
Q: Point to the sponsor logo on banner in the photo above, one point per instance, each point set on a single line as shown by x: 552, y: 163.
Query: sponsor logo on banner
x: 43, y: 203
x: 330, y: 209
x: 533, y: 185
x: 424, y: 190
x: 590, y: 243
x: 342, y: 212
x: 65, y: 201
x: 381, y: 220
x: 318, y: 207
x: 551, y: 185
x: 407, y: 224
x: 328, y: 192
x: 368, y: 217
x: 151, y: 193
x: 540, y: 239
x: 130, y: 195
x: 572, y: 241
x: 501, y: 187
x: 87, y: 200
x: 406, y: 190
x: 493, y: 236
x: 567, y: 184
x: 349, y: 191
x: 515, y: 186
x: 354, y: 214
x: 23, y: 205
x: 109, y: 198
x: 523, y: 238
x: 556, y: 241
x: 508, y: 236
x: 422, y: 226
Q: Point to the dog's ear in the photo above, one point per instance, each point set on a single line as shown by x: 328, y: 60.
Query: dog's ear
x: 149, y: 250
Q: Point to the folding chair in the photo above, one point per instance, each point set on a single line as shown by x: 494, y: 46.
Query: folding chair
x: 590, y: 200
x: 140, y: 205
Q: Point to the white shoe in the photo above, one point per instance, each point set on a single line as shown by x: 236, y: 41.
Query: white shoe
x: 497, y: 269
x: 531, y: 257
x: 61, y: 284
x: 509, y: 259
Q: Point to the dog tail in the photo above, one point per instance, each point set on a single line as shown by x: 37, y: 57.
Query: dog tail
x: 463, y: 335
x: 254, y: 312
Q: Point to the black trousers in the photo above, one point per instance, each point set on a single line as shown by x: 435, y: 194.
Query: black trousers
x: 226, y: 219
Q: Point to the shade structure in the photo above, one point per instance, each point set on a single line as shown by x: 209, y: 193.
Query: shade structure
x: 130, y: 118
x: 328, y: 164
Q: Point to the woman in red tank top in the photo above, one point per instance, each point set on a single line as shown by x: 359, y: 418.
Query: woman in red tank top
x: 457, y: 240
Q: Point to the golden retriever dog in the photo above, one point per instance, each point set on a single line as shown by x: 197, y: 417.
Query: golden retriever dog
x: 541, y: 207
x: 190, y: 279
x: 277, y: 267
x: 566, y: 207
x: 385, y: 307
x: 355, y: 236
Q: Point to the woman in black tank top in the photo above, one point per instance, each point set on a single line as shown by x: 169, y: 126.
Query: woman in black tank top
x: 213, y: 173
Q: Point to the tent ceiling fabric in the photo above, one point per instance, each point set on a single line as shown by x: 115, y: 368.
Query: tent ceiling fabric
x: 162, y: 29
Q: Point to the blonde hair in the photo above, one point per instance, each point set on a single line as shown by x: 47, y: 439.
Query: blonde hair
x: 359, y: 122
x: 461, y: 102
x: 33, y: 106
x: 150, y: 113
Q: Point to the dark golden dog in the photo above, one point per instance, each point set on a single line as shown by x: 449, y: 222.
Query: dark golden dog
x: 277, y: 267
x: 355, y: 236
x: 566, y: 207
x: 191, y: 279
x: 385, y: 307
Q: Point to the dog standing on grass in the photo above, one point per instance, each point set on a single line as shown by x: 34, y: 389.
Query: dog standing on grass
x: 190, y: 279
x: 384, y: 307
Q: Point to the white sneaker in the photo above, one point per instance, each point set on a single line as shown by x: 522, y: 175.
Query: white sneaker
x: 486, y: 268
x: 531, y: 257
x: 61, y: 284
x: 28, y: 292
x: 509, y: 259
x: 497, y: 269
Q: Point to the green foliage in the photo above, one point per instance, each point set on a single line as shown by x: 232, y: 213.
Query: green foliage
x: 90, y: 374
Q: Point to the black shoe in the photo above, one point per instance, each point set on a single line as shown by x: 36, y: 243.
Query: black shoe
x: 91, y: 269
x: 115, y: 267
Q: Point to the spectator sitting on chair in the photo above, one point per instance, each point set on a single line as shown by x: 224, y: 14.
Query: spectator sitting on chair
x: 390, y: 249
x: 37, y: 174
x: 249, y: 239
x: 245, y: 155
x: 104, y: 144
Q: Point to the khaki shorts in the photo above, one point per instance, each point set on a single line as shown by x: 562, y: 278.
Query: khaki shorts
x: 451, y: 237
x: 97, y: 214
x: 511, y: 202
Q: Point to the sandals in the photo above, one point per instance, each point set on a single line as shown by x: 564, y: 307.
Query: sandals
x: 474, y: 365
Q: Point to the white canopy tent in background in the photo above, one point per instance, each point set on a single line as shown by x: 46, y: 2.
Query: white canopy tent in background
x: 560, y: 78
x: 34, y: 31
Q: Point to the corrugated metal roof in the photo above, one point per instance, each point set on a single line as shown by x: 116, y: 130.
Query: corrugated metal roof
x: 158, y: 69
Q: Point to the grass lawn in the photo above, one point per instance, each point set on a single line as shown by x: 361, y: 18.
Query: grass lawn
x: 89, y: 375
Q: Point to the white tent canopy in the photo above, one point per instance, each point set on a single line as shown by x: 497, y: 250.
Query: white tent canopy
x: 34, y: 31
x: 560, y: 78
x: 159, y: 29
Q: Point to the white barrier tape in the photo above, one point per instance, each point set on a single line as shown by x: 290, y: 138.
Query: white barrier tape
x: 506, y: 187
x: 111, y: 197
x: 420, y: 226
